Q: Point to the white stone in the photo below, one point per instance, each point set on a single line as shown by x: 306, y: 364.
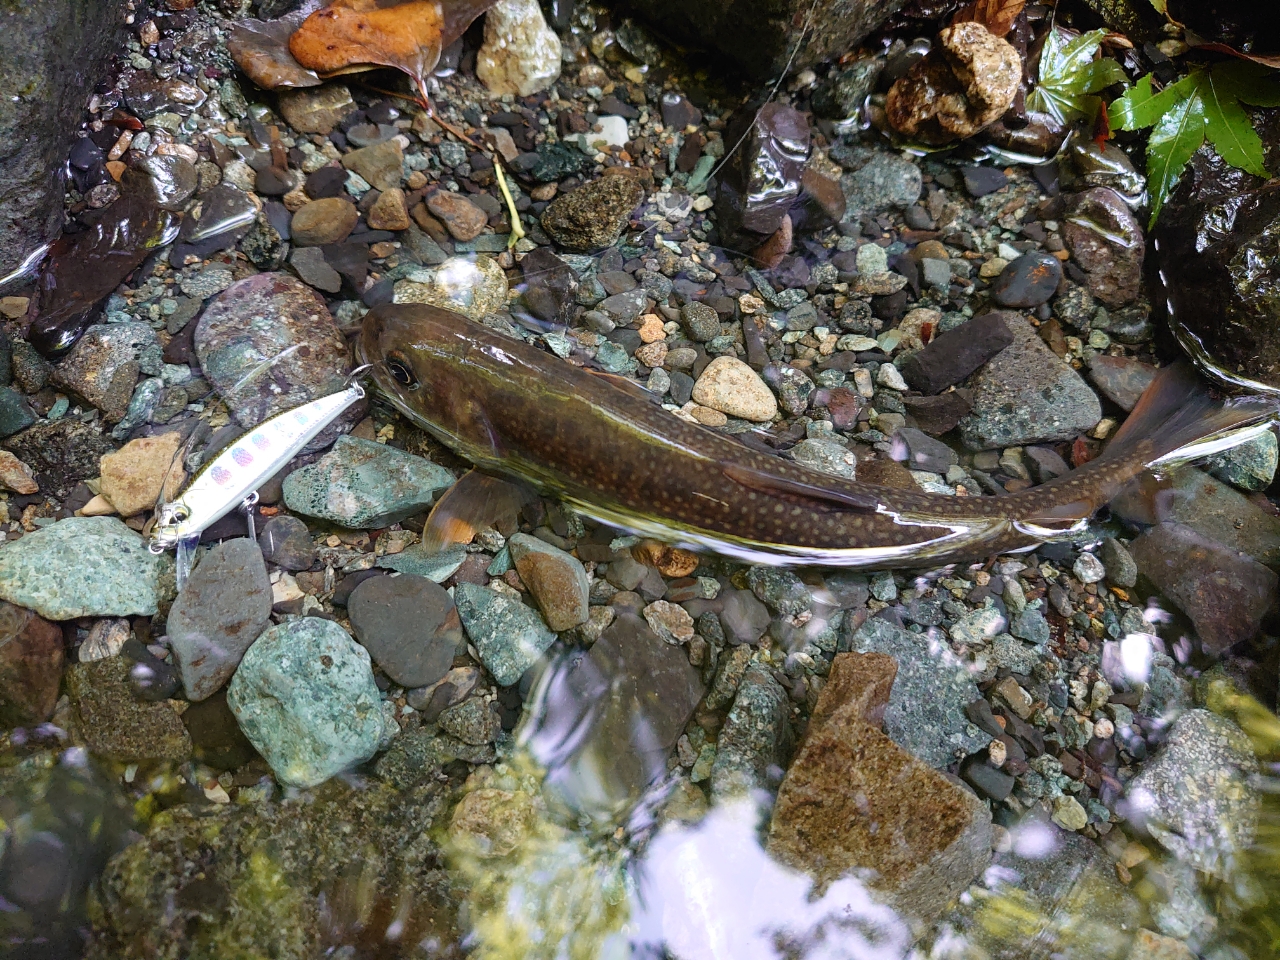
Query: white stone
x: 733, y: 388
x: 612, y: 132
x: 520, y: 54
x: 871, y: 260
x: 888, y: 376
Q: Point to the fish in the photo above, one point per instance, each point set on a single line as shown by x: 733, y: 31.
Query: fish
x: 609, y: 451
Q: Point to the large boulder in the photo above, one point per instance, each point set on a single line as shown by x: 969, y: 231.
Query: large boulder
x: 50, y: 56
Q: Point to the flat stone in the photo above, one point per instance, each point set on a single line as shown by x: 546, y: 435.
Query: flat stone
x: 462, y: 218
x: 926, y: 714
x: 755, y: 743
x: 15, y: 412
x: 223, y: 607
x: 1028, y: 281
x: 733, y: 388
x: 286, y: 542
x: 315, y: 110
x: 979, y: 181
x: 1195, y: 797
x: 31, y: 658
x: 557, y: 580
x: 509, y: 636
x: 1106, y: 239
x: 1027, y: 394
x: 305, y: 696
x: 923, y: 452
x: 319, y: 222
x: 826, y: 456
x: 954, y: 355
x: 390, y: 213
x: 381, y: 165
x: 594, y: 215
x: 81, y: 567
x: 1120, y: 379
x: 16, y: 475
x: 409, y: 625
x: 142, y: 473
x: 314, y: 270
x: 104, y: 365
x: 700, y: 321
x: 639, y: 693
x: 1225, y: 593
x: 854, y: 800
x: 365, y: 485
x: 114, y: 723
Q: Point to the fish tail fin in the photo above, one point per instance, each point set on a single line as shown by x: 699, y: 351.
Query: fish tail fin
x: 1179, y: 418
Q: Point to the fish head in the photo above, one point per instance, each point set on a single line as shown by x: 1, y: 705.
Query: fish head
x: 411, y: 348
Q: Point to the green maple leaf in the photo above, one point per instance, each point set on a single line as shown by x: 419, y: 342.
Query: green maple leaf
x: 1069, y: 76
x: 1176, y: 137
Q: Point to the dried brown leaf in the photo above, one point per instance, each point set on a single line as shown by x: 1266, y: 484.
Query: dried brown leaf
x: 996, y: 15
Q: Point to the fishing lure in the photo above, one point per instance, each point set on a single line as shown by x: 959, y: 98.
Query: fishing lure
x: 232, y: 479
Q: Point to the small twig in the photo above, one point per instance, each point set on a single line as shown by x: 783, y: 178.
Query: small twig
x: 517, y: 231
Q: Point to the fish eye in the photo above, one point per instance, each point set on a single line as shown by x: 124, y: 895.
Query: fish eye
x: 402, y: 372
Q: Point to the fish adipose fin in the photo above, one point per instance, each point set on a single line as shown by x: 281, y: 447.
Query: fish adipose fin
x: 476, y: 501
x: 1178, y: 418
x: 821, y: 497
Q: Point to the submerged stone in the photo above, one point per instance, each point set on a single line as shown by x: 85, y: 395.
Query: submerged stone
x: 31, y: 658
x: 114, y: 723
x: 509, y: 636
x: 557, y: 580
x: 755, y: 744
x: 408, y: 624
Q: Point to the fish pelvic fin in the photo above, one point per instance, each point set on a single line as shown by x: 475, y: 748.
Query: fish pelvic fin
x: 476, y: 501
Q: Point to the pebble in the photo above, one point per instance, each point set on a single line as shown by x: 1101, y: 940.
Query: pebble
x: 325, y: 221
x: 104, y: 365
x: 594, y: 215
x: 1088, y: 568
x: 755, y: 739
x: 305, y: 696
x: 224, y: 606
x: 1106, y: 239
x: 733, y: 388
x: 954, y: 355
x: 365, y: 485
x: 316, y: 110
x: 381, y: 165
x: 1248, y: 466
x: 1196, y: 797
x: 462, y: 218
x: 115, y: 724
x: 409, y: 625
x: 826, y: 456
x: 1069, y: 814
x: 979, y: 181
x: 557, y: 580
x: 16, y: 475
x: 81, y: 567
x: 264, y: 322
x: 881, y: 180
x: 1119, y: 564
x: 509, y: 636
x: 314, y: 270
x: 669, y: 621
x: 1028, y: 281
x: 142, y: 473
x: 31, y: 660
x: 1120, y: 379
x: 286, y: 542
x: 474, y: 288
x: 520, y: 54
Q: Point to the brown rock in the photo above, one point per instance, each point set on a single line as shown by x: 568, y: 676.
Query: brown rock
x: 31, y: 657
x: 1106, y: 240
x: 316, y: 110
x: 114, y: 723
x: 16, y: 475
x: 460, y: 216
x: 854, y: 800
x: 672, y: 562
x: 594, y: 215
x: 963, y: 85
x: 858, y: 682
x: 381, y: 165
x: 320, y: 222
x: 389, y: 212
x: 136, y: 476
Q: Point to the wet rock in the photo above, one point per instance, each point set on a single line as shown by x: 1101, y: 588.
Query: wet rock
x: 62, y: 453
x: 364, y: 485
x: 963, y: 85
x: 594, y: 215
x: 268, y: 344
x: 1120, y: 379
x: 316, y: 110
x: 115, y: 724
x: 1149, y: 945
x: 952, y: 356
x: 286, y: 542
x: 437, y: 566
x: 926, y: 709
x: 509, y: 636
x: 409, y: 626
x: 743, y: 618
x: 381, y: 165
x: 473, y: 721
x: 551, y: 285
x: 462, y: 218
x: 520, y: 54
x: 104, y: 365
x: 1195, y: 797
x: 1027, y: 394
x: 320, y: 222
x: 1028, y: 281
x: 756, y: 740
x: 16, y: 475
x: 761, y: 180
x: 557, y: 580
x: 304, y: 695
x: 81, y: 567
x: 826, y: 456
x: 733, y: 388
x: 287, y: 879
x: 142, y: 473
x: 855, y: 800
x: 1218, y: 512
x: 700, y: 321
x: 1106, y: 240
x: 473, y: 288
x: 1225, y: 593
x: 224, y: 606
x: 312, y: 269
x: 924, y: 452
x: 15, y: 413
x: 979, y: 181
x: 940, y: 414
x: 389, y: 212
x: 1249, y: 466
x: 631, y: 695
x: 31, y: 657
x: 1121, y: 569
x: 843, y: 93
x: 878, y: 180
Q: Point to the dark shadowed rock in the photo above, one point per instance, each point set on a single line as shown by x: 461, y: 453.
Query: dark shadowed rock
x: 408, y: 624
x: 1028, y: 281
x: 1106, y: 240
x: 761, y: 180
x: 1120, y: 379
x: 954, y: 355
x: 31, y: 658
x: 594, y: 215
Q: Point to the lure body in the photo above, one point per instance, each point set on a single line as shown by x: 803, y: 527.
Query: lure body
x: 236, y: 473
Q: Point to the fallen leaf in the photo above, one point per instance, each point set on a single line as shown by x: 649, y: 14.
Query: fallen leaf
x: 261, y: 49
x: 1266, y: 60
x: 996, y: 15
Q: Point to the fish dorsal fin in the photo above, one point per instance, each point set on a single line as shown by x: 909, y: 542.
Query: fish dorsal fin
x: 476, y: 501
x: 777, y: 486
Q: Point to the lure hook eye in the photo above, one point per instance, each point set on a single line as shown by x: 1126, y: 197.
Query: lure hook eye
x: 402, y: 373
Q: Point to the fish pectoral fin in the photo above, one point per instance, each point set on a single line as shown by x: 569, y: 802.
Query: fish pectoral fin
x: 626, y: 385
x: 823, y: 497
x: 476, y: 501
